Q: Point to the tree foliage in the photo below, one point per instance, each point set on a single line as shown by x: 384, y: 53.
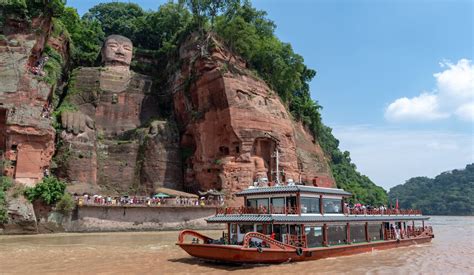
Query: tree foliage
x: 49, y: 190
x: 5, y: 184
x: 66, y: 204
x: 450, y: 193
x: 86, y: 37
x: 117, y: 18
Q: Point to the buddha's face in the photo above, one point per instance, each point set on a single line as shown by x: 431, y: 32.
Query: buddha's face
x: 117, y: 52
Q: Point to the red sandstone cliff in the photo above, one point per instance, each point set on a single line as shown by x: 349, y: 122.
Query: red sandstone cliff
x: 232, y: 122
x: 26, y: 132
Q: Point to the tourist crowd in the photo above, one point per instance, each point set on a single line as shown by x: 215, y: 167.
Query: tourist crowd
x: 37, y: 69
x: 373, y: 210
x: 87, y: 199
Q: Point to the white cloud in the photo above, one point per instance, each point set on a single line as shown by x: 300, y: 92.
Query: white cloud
x: 457, y: 81
x: 391, y: 156
x: 466, y: 111
x: 424, y: 107
x: 454, y: 94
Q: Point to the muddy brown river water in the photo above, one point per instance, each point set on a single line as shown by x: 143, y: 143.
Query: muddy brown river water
x: 451, y: 252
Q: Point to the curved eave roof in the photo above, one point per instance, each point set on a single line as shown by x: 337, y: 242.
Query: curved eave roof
x: 309, y: 219
x: 292, y: 189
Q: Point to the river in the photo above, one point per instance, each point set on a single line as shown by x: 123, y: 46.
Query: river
x: 451, y: 252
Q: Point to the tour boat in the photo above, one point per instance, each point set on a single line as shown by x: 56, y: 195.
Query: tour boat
x: 298, y: 223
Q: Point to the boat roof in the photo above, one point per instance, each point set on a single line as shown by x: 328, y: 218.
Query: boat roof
x: 292, y: 189
x: 255, y: 218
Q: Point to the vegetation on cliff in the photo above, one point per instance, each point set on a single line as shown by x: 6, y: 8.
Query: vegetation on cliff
x: 449, y: 193
x: 50, y: 190
x: 5, y: 184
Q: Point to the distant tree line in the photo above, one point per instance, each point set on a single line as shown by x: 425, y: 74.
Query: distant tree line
x: 449, y: 193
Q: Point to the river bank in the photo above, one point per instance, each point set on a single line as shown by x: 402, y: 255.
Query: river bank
x: 91, y: 218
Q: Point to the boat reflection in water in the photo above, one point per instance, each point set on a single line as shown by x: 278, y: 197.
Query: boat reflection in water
x: 299, y: 223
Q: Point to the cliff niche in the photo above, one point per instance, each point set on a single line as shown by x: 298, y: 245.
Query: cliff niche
x: 233, y: 124
x: 111, y: 141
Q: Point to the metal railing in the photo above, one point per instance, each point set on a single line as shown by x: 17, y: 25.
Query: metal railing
x: 257, y: 210
x: 388, y: 212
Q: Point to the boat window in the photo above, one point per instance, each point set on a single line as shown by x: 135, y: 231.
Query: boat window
x: 357, y: 233
x: 279, y: 231
x: 252, y: 203
x: 309, y: 205
x: 245, y: 228
x: 295, y: 229
x: 375, y: 232
x: 278, y: 205
x: 291, y: 202
x: 264, y: 229
x: 262, y: 204
x: 233, y: 228
x: 337, y: 234
x: 314, y: 236
x: 332, y: 205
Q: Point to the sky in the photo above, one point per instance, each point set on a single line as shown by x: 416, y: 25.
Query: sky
x: 395, y: 78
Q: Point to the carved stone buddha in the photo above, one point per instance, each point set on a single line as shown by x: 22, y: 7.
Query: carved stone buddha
x: 105, y: 111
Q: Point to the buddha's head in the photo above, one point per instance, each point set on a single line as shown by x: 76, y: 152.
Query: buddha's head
x: 117, y: 51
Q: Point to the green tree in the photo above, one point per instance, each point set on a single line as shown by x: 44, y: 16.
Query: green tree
x: 86, y: 35
x: 161, y: 30
x: 66, y: 204
x: 450, y: 193
x: 5, y: 184
x: 49, y: 190
x: 117, y: 18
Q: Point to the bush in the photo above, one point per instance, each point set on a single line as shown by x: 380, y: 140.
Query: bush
x: 66, y: 204
x: 5, y: 184
x: 50, y: 191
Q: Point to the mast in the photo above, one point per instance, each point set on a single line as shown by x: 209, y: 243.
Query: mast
x: 276, y: 155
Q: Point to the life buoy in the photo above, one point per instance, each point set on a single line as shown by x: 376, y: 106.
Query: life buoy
x: 299, y: 251
x: 259, y: 249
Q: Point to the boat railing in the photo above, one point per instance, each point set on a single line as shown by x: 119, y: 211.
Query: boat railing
x: 197, y: 236
x: 387, y: 212
x: 296, y: 240
x: 410, y: 232
x: 264, y: 240
x: 294, y: 211
x: 256, y: 210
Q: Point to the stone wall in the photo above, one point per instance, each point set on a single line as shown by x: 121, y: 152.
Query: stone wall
x: 98, y: 218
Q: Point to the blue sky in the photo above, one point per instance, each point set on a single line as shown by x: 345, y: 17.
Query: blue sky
x: 395, y: 78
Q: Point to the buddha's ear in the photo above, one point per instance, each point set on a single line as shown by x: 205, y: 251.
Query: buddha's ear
x: 99, y: 60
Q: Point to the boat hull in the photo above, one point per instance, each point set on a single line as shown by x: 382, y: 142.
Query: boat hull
x: 239, y: 254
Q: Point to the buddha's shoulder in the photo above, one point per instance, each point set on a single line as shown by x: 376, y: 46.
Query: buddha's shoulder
x: 140, y: 82
x: 141, y: 76
x: 87, y: 72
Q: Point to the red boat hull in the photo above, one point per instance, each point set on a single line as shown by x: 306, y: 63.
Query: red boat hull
x: 240, y: 254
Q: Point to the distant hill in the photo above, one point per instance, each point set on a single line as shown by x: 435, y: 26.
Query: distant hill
x: 450, y: 193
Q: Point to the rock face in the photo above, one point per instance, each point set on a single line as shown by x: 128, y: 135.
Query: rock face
x: 233, y: 123
x: 22, y: 216
x: 112, y: 141
x: 26, y: 134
